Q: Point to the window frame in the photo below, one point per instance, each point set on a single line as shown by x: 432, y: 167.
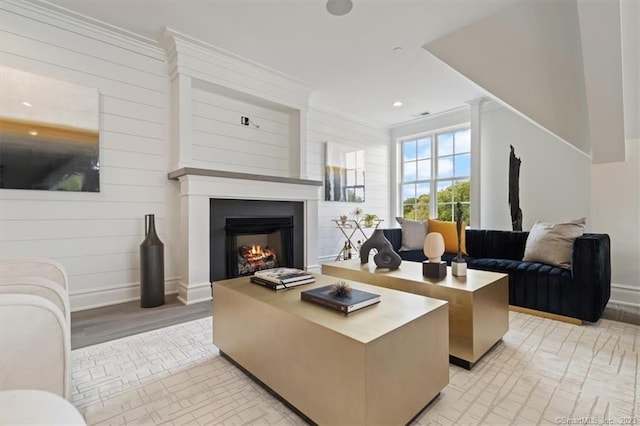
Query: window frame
x: 433, y: 180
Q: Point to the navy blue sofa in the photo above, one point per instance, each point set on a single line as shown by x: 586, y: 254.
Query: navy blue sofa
x: 581, y: 292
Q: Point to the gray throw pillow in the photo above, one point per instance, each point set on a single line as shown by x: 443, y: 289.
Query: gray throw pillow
x: 552, y: 243
x: 413, y: 233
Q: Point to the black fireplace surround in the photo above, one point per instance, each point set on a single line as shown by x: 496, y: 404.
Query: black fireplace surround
x: 229, y: 218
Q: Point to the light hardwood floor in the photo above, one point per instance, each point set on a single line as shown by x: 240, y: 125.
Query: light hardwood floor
x: 99, y: 325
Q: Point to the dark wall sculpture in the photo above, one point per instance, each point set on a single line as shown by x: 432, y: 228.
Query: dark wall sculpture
x: 514, y: 190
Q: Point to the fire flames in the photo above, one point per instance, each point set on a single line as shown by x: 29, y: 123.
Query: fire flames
x: 254, y: 258
x: 256, y: 253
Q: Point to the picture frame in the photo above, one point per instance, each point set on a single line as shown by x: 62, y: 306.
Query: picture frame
x: 49, y: 133
x: 344, y: 173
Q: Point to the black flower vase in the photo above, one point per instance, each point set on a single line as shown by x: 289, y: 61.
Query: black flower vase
x: 151, y: 266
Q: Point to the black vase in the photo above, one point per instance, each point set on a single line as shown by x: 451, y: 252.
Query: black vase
x: 151, y: 266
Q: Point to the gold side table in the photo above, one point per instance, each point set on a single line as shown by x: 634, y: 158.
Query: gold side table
x: 352, y: 229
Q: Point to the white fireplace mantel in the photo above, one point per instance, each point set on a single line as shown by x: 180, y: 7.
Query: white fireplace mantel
x: 198, y: 186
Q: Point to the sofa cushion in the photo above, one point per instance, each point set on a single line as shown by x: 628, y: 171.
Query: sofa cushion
x: 449, y: 232
x: 413, y: 255
x: 551, y: 243
x: 413, y: 233
x: 496, y: 244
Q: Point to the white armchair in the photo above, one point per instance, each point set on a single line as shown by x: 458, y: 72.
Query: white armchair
x: 35, y: 343
x: 35, y: 407
x: 34, y: 267
x: 42, y: 287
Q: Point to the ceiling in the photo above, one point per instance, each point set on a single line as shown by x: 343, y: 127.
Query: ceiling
x: 357, y: 64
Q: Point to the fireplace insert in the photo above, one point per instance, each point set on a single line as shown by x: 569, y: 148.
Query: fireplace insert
x: 254, y: 243
x: 249, y: 235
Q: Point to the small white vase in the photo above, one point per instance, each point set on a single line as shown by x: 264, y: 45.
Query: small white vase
x: 459, y: 269
x: 434, y: 246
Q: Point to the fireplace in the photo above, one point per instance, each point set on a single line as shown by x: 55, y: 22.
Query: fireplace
x: 206, y: 200
x: 255, y: 243
x: 249, y: 235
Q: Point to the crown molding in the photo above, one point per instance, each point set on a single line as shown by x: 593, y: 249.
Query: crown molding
x: 179, y: 47
x: 58, y: 16
x: 440, y: 120
x: 432, y: 117
x: 378, y: 125
x: 209, y: 50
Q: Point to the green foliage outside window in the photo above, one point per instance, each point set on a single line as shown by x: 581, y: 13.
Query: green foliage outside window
x: 418, y: 209
x: 449, y: 196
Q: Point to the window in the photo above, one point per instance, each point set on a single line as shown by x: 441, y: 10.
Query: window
x: 437, y: 163
x: 355, y: 176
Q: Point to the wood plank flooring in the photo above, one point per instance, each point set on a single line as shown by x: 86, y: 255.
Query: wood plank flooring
x: 99, y: 325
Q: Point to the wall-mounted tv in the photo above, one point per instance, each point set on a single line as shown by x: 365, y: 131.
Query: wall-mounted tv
x: 49, y: 133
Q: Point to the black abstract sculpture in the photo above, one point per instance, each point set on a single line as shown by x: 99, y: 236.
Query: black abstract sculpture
x: 514, y: 190
x: 386, y: 256
x: 458, y: 264
x: 459, y: 214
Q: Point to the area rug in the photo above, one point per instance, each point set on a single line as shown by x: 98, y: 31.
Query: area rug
x: 543, y: 372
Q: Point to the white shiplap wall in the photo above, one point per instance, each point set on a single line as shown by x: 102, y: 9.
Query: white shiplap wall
x: 96, y: 236
x: 323, y: 126
x: 220, y: 142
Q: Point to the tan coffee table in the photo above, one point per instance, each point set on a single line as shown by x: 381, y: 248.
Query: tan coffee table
x: 478, y: 303
x: 379, y: 365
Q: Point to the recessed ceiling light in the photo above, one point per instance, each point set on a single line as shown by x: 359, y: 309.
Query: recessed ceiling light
x: 27, y: 104
x: 397, y: 104
x: 33, y: 132
x: 339, y: 7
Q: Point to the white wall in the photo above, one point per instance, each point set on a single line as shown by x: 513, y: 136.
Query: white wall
x: 616, y: 210
x: 554, y: 176
x: 325, y: 126
x: 96, y: 236
x: 220, y: 142
x: 223, y: 87
x: 550, y: 59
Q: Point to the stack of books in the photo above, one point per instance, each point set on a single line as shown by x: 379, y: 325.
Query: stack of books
x: 356, y: 300
x: 280, y: 278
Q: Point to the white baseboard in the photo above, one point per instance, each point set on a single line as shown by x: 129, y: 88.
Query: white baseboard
x: 194, y: 293
x: 326, y: 259
x: 626, y: 295
x: 105, y: 296
x: 314, y: 268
